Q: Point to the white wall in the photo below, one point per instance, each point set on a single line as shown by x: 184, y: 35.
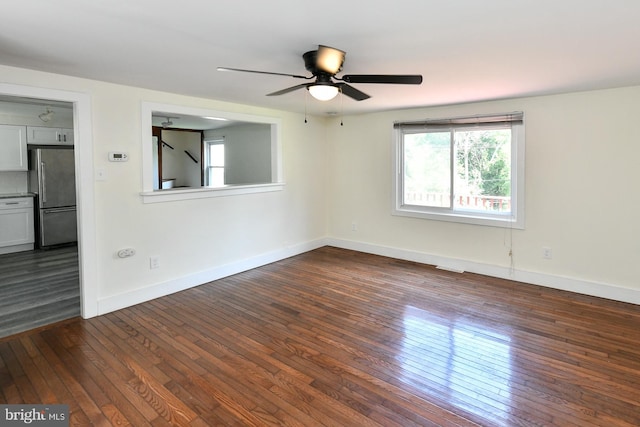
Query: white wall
x: 176, y: 164
x: 247, y: 152
x: 27, y: 114
x: 206, y: 237
x: 581, y: 199
x: 582, y: 171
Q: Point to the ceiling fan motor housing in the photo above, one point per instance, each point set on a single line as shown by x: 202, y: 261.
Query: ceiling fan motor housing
x: 314, y: 64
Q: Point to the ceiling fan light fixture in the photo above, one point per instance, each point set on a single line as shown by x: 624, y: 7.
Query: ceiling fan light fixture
x: 45, y: 117
x: 323, y: 92
x: 169, y: 122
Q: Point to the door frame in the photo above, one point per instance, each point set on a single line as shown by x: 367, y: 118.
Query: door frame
x: 82, y: 126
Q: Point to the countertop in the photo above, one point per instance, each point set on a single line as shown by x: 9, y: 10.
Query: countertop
x: 14, y: 195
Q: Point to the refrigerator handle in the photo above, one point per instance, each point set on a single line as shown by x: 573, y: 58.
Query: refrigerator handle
x: 43, y: 176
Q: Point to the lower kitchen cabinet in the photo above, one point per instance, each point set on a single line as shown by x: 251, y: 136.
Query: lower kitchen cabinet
x: 16, y: 224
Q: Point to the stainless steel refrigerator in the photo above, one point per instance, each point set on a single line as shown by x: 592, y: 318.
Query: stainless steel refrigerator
x: 52, y: 178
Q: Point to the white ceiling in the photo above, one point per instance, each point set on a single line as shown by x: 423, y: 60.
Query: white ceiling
x: 467, y: 50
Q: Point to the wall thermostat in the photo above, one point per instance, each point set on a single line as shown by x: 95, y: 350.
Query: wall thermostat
x: 115, y: 156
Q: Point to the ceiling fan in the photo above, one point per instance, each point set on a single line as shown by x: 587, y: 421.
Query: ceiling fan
x: 324, y: 64
x: 169, y: 122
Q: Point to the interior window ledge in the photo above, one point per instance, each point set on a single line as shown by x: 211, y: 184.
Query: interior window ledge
x: 176, y: 194
x: 504, y: 221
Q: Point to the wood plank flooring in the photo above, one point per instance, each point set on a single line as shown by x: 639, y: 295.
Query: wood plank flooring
x: 38, y: 288
x: 340, y: 338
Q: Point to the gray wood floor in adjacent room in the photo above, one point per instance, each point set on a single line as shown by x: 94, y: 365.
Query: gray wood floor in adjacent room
x: 38, y: 288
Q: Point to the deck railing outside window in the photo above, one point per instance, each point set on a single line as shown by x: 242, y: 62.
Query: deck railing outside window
x: 471, y: 202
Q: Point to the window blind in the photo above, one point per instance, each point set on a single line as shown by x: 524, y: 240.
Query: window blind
x: 479, y: 121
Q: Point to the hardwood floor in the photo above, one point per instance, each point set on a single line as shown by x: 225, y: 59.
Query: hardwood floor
x: 340, y: 338
x: 38, y: 288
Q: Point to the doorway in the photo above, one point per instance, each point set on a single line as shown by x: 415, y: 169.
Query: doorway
x: 86, y: 249
x: 39, y: 286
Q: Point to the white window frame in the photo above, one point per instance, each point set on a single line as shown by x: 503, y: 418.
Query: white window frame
x: 514, y: 219
x: 208, y: 167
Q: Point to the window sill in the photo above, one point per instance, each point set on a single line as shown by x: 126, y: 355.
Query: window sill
x: 189, y: 193
x: 504, y: 221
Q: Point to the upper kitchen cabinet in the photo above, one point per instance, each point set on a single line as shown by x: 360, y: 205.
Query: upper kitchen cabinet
x: 49, y: 136
x: 13, y: 148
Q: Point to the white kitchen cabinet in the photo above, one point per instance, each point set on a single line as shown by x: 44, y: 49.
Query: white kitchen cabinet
x: 41, y: 135
x: 13, y: 148
x: 17, y: 232
x: 67, y: 136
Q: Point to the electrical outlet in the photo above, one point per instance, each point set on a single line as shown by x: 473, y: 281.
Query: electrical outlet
x: 547, y: 253
x: 354, y: 226
x: 154, y: 262
x: 126, y: 253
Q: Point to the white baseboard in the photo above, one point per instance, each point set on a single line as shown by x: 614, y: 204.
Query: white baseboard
x: 16, y: 248
x: 158, y: 290
x: 596, y: 289
x: 128, y: 299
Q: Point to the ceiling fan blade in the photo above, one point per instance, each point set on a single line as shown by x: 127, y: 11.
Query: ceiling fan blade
x: 402, y: 79
x: 352, y: 92
x: 289, y: 89
x: 263, y: 72
x: 329, y: 59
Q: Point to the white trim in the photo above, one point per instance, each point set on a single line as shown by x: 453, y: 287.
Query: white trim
x: 147, y: 108
x: 475, y: 218
x: 158, y: 290
x: 16, y: 248
x: 171, y: 195
x: 601, y: 290
x: 82, y: 128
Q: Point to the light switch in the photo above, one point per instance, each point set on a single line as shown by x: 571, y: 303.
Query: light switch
x: 101, y: 175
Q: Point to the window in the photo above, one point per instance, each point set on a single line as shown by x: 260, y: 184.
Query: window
x: 214, y: 162
x: 464, y: 169
x: 252, y: 153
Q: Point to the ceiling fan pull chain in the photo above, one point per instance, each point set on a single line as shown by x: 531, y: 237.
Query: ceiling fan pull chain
x: 341, y: 106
